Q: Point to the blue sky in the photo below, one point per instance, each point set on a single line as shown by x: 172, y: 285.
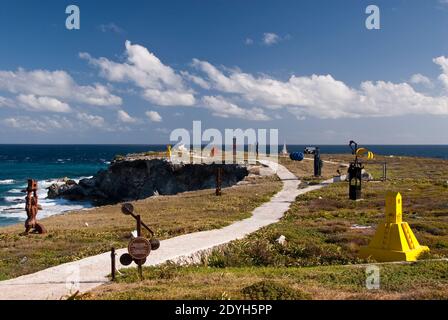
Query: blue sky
x: 136, y: 70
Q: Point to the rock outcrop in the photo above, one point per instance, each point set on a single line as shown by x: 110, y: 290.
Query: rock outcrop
x: 139, y: 179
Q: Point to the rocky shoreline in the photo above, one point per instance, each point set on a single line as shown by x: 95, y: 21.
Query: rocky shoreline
x: 135, y: 179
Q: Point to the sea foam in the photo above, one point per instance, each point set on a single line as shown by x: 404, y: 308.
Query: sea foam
x: 7, y: 181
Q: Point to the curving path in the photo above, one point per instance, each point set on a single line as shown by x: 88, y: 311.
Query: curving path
x: 86, y: 274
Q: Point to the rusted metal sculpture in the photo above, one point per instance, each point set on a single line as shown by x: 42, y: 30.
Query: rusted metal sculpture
x: 32, y: 207
x: 139, y: 248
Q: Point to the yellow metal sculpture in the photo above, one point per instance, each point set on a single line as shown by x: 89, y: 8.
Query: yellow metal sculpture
x: 364, y: 153
x: 394, y: 239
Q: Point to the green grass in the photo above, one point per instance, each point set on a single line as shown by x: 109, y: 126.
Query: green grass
x: 422, y: 280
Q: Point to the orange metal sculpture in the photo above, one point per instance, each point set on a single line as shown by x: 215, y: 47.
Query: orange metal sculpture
x: 32, y: 207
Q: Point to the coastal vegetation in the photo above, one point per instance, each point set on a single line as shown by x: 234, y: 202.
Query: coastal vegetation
x: 76, y: 235
x: 421, y: 280
x: 323, y: 232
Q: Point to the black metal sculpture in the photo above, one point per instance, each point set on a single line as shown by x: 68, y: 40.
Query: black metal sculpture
x: 355, y: 170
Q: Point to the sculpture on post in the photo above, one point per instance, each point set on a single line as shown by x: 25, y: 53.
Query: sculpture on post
x: 355, y: 170
x: 139, y: 247
x: 32, y: 207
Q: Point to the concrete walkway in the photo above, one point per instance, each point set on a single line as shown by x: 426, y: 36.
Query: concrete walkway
x: 83, y: 275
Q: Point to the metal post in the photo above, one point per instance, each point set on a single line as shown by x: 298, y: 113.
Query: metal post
x: 139, y: 233
x: 256, y: 149
x: 218, y: 181
x: 317, y: 163
x: 139, y: 226
x: 140, y: 271
x: 112, y: 260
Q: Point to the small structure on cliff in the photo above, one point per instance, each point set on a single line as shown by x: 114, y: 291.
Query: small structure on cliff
x: 284, y: 150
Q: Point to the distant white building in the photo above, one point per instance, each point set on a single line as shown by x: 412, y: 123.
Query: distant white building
x: 284, y: 151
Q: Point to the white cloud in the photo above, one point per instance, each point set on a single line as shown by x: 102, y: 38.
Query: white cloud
x: 154, y: 116
x: 6, y: 102
x: 390, y: 99
x: 323, y: 96
x: 224, y: 109
x: 195, y: 79
x: 320, y: 96
x: 270, y: 38
x: 443, y: 63
x: 169, y: 97
x: 124, y: 117
x: 44, y: 124
x: 315, y: 91
x: 57, y: 123
x: 35, y: 103
x: 420, y: 79
x: 55, y: 84
x: 160, y: 83
x: 92, y: 120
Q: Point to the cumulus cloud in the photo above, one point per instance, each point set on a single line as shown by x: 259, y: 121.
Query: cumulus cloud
x: 55, y: 84
x: 160, y: 84
x: 153, y: 116
x: 322, y: 96
x: 224, y: 109
x: 443, y: 63
x: 124, y: 117
x: 315, y: 91
x: 36, y: 103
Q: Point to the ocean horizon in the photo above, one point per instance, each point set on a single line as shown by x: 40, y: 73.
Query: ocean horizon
x: 49, y: 163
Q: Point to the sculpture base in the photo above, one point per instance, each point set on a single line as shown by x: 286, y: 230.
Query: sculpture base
x: 39, y: 229
x: 382, y: 255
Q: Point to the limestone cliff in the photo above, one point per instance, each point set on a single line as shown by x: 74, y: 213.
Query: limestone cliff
x: 132, y: 179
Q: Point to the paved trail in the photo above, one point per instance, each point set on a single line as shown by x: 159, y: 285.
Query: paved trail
x: 88, y: 273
